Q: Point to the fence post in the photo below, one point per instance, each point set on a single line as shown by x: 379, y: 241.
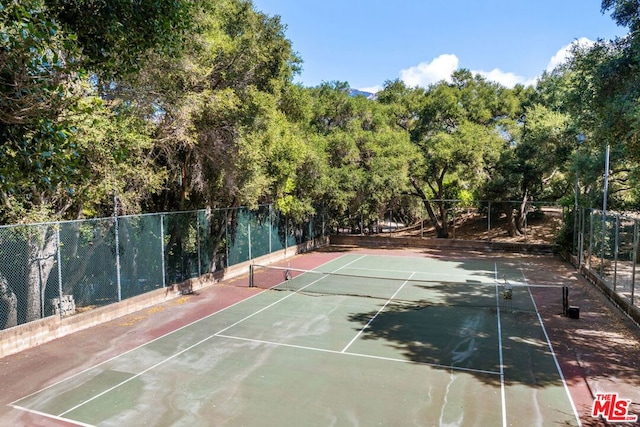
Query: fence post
x: 198, y: 225
x: 454, y: 222
x: 270, y: 226
x: 590, y: 251
x: 580, y: 241
x: 162, y: 261
x: 117, y: 241
x: 324, y: 232
x: 604, y: 239
x: 489, y: 218
x: 615, y: 252
x: 249, y: 237
x: 635, y: 257
x: 575, y: 227
x: 226, y: 237
x: 59, y: 264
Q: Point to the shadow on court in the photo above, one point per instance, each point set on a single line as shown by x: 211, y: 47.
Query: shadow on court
x: 461, y: 332
x: 470, y: 326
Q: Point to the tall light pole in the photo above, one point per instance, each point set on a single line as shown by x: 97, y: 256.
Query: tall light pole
x: 604, y: 206
x: 606, y: 181
x: 576, y: 192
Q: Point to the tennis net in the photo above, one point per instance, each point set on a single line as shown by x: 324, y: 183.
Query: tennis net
x: 417, y: 288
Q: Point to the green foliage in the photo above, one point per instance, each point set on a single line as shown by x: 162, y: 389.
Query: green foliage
x: 602, y: 94
x: 535, y: 155
x: 174, y: 105
x: 116, y: 148
x: 625, y: 12
x: 217, y: 106
x: 38, y: 91
x: 115, y: 35
x: 367, y: 156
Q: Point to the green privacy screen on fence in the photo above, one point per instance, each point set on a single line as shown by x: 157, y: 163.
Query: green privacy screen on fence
x: 65, y: 267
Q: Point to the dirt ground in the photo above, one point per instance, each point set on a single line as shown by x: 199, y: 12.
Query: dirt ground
x: 472, y: 226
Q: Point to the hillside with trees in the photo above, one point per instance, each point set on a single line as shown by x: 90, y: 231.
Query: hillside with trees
x: 171, y: 106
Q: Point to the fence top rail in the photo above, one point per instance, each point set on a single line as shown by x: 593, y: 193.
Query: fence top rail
x: 110, y: 218
x: 608, y: 213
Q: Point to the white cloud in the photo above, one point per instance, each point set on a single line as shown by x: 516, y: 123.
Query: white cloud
x: 427, y: 73
x: 505, y: 79
x: 564, y: 53
x: 442, y: 67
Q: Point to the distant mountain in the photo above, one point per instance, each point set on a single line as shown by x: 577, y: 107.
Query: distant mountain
x: 368, y: 95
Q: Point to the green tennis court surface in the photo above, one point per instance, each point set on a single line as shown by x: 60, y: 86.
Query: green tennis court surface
x: 381, y: 341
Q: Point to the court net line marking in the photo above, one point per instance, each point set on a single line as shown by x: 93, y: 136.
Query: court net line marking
x: 430, y: 277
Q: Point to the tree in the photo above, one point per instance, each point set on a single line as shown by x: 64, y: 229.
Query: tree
x: 457, y: 128
x: 603, y: 89
x: 116, y: 36
x: 38, y: 86
x: 60, y: 143
x: 361, y: 157
x: 233, y: 67
x: 625, y: 12
x: 532, y: 165
x: 217, y: 104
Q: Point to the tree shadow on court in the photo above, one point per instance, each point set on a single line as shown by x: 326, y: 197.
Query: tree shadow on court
x: 453, y: 336
x: 460, y: 327
x: 602, y: 343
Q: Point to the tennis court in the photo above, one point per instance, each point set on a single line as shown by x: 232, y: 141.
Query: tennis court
x: 360, y: 340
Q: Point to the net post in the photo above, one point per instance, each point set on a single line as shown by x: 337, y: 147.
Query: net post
x: 251, y: 275
x: 565, y: 300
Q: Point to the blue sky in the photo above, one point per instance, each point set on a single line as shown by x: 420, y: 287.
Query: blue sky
x: 366, y: 43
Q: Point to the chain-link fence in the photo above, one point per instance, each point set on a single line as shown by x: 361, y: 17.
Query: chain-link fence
x: 68, y: 267
x: 487, y: 220
x: 607, y: 247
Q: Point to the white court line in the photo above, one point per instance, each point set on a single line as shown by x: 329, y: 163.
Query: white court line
x: 553, y: 353
x: 379, y: 311
x: 365, y: 356
x: 503, y: 396
x: 430, y: 276
x: 54, y: 417
x: 12, y: 404
x: 176, y: 354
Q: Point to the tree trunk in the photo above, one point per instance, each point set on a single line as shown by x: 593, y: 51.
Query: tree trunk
x: 76, y: 267
x: 442, y: 230
x: 522, y: 213
x: 444, y: 220
x: 512, y: 229
x: 41, y: 252
x: 8, y: 305
x: 217, y: 229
